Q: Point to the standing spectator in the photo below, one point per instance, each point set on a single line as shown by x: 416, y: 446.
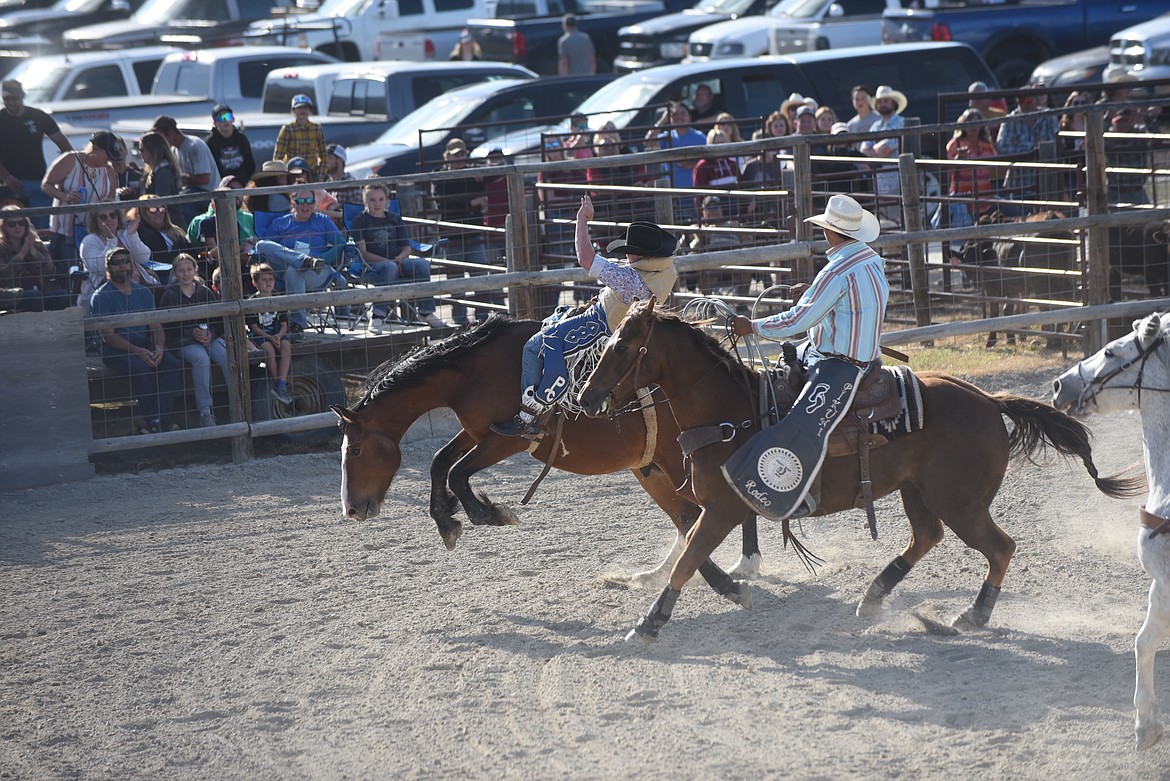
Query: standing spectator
x: 26, y: 272
x: 704, y: 111
x: 990, y: 108
x: 495, y: 214
x: 197, y: 169
x: 466, y: 49
x: 303, y: 246
x: 335, y: 158
x: 461, y: 201
x: 197, y: 343
x: 1073, y: 121
x: 862, y: 99
x: 889, y: 104
x: 384, y: 244
x: 1127, y: 187
x: 130, y: 176
x: 138, y: 351
x: 269, y: 331
x: 973, y: 184
x: 229, y: 146
x: 1018, y: 135
x: 23, y: 130
x: 74, y: 178
x: 108, y: 230
x: 575, y: 52
x: 302, y: 138
x: 162, y: 175
x: 682, y: 171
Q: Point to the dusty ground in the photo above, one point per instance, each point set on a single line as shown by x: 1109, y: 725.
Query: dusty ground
x: 224, y: 622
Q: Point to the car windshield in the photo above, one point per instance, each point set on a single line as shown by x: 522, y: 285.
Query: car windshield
x: 41, y: 84
x: 344, y: 7
x: 158, y: 12
x: 633, y: 94
x: 442, y: 112
x: 733, y: 7
x: 797, y: 9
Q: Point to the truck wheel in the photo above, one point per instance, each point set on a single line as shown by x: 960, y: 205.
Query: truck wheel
x: 314, y: 385
x: 1013, y: 71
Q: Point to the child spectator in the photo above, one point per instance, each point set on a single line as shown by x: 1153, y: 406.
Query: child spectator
x: 302, y: 138
x: 269, y: 332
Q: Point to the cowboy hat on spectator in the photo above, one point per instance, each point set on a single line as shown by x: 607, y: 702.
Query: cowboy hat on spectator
x: 886, y: 91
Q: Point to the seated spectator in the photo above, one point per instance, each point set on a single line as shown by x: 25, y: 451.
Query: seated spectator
x: 137, y: 351
x: 715, y: 171
x: 78, y: 178
x: 303, y: 247
x: 776, y: 126
x: 335, y: 158
x: 274, y: 173
x: 805, y: 123
x: 384, y: 244
x: 826, y: 118
x: 28, y: 277
x: 199, y: 342
x: 269, y: 331
x: 789, y: 107
x: 203, y: 230
x: 165, y: 239
x: 840, y: 176
x: 705, y: 108
x: 107, y: 230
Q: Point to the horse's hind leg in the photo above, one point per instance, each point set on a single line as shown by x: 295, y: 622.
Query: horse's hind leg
x: 1148, y: 725
x: 981, y: 533
x: 926, y: 531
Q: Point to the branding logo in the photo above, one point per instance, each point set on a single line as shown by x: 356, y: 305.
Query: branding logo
x: 816, y: 397
x: 780, y: 469
x: 757, y: 494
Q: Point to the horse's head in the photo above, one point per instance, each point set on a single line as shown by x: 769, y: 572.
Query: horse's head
x: 1113, y: 379
x: 624, y: 364
x: 369, y: 461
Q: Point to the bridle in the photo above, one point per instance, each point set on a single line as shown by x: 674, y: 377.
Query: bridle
x: 1097, y: 384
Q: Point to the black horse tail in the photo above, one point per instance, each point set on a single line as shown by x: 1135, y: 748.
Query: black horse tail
x: 1038, y: 426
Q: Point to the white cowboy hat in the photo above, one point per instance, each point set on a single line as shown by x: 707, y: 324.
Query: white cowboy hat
x: 797, y: 100
x: 886, y: 91
x: 845, y: 216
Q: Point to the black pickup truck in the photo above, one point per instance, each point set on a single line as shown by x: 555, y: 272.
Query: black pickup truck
x: 525, y: 32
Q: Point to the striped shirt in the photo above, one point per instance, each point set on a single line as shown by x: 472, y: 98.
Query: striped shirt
x: 844, y: 309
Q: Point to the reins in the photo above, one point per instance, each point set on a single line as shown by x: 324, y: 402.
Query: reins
x: 1096, y: 384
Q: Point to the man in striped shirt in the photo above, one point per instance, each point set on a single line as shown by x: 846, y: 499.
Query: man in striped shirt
x: 842, y: 311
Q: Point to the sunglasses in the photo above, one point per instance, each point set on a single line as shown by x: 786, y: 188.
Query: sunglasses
x: 118, y: 262
x: 226, y: 117
x: 155, y: 209
x: 108, y: 216
x: 304, y: 201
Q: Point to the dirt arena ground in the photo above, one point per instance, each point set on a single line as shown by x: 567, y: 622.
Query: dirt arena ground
x: 225, y: 622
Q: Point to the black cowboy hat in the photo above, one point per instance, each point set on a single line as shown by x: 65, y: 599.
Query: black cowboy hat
x: 645, y: 238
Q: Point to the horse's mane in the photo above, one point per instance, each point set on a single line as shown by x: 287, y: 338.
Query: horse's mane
x: 424, y: 360
x: 707, y: 343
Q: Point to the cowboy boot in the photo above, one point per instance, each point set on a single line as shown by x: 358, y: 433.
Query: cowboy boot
x: 524, y: 423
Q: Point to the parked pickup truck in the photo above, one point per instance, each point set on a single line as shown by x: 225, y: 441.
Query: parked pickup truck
x: 89, y: 75
x: 192, y: 24
x: 663, y: 39
x: 1015, y: 38
x: 793, y: 26
x: 363, y: 102
x: 526, y: 31
x: 373, y: 29
x: 189, y: 83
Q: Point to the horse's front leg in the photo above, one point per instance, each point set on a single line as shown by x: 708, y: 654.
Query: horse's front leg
x: 711, y: 529
x: 1148, y: 725
x: 444, y: 504
x: 481, y: 510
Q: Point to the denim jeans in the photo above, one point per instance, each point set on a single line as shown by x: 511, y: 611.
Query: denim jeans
x: 199, y: 357
x: 294, y: 268
x: 412, y: 270
x: 154, y: 386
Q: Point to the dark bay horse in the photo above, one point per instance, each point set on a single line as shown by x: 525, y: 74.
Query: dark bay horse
x: 476, y: 373
x: 948, y: 473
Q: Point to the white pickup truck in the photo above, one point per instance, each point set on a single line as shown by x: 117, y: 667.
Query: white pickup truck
x: 357, y: 30
x: 793, y: 26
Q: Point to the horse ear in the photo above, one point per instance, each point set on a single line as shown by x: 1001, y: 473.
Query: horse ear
x: 1150, y: 327
x: 650, y: 304
x: 347, y: 416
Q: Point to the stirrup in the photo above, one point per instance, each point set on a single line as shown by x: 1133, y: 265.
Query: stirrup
x: 517, y: 427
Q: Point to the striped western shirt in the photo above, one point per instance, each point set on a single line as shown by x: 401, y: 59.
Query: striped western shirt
x: 844, y: 309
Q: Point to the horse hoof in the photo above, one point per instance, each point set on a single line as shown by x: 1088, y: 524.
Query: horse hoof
x: 747, y: 568
x: 503, y: 516
x: 869, y: 608
x: 741, y: 594
x: 969, y: 619
x: 451, y: 535
x: 1147, y: 734
x: 637, y: 634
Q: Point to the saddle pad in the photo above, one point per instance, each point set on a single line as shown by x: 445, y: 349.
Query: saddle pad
x: 910, y: 419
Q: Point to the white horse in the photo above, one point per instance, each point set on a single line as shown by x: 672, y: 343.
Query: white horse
x: 1134, y: 373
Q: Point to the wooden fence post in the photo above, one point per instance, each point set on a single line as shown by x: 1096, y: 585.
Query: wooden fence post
x: 232, y: 289
x: 915, y: 251
x: 519, y: 248
x: 1096, y: 237
x: 803, y: 202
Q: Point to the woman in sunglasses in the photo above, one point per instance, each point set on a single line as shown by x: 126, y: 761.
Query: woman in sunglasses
x: 230, y: 147
x: 26, y: 271
x: 165, y: 239
x: 108, y: 229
